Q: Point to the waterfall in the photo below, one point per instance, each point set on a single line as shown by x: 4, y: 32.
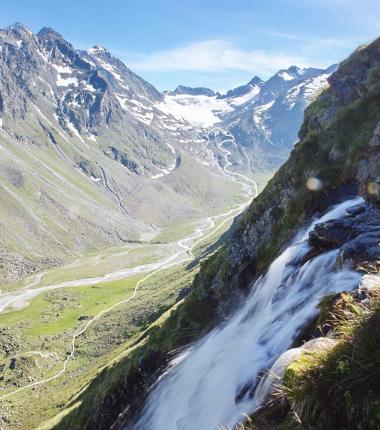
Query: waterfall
x: 212, y: 385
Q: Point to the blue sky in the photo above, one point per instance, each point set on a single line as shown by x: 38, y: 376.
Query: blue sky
x: 214, y: 43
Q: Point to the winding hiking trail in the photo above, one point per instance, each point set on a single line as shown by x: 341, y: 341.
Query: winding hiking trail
x: 185, y: 254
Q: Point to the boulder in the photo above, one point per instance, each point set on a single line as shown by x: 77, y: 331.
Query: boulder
x: 273, y: 408
x: 13, y: 363
x: 85, y: 318
x: 357, y: 209
x: 357, y: 235
x: 331, y: 234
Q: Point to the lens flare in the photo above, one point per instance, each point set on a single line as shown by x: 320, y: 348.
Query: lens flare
x: 373, y: 188
x: 314, y: 184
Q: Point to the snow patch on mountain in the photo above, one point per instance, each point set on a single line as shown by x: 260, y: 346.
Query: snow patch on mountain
x: 306, y: 91
x: 62, y: 69
x: 65, y: 82
x: 254, y: 91
x: 201, y: 111
x: 285, y: 75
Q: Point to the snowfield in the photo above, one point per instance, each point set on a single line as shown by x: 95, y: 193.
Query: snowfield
x: 201, y: 111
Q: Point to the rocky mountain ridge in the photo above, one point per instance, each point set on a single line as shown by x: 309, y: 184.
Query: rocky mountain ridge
x: 192, y: 91
x: 260, y: 115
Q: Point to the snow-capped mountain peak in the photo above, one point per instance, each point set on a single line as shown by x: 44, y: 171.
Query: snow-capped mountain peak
x: 92, y: 92
x: 19, y: 27
x: 258, y: 113
x: 98, y: 49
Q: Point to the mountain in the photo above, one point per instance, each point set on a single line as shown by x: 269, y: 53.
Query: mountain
x: 263, y: 117
x: 87, y: 149
x: 315, y: 226
x: 252, y: 87
x: 88, y: 146
x: 273, y: 116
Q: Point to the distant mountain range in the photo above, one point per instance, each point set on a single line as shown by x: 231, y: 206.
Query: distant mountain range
x: 263, y: 116
x: 88, y: 147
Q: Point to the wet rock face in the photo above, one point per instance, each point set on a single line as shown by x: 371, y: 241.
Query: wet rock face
x: 331, y: 234
x: 357, y: 235
x: 365, y: 247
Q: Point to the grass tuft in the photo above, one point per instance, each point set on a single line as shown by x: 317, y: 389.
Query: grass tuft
x: 341, y: 388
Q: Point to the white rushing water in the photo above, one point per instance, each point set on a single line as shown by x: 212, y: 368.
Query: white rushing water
x: 212, y: 385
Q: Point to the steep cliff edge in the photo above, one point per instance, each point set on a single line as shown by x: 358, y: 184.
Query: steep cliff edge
x: 337, y: 156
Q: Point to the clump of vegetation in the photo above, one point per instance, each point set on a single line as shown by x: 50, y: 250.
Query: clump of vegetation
x: 248, y: 425
x: 341, y: 388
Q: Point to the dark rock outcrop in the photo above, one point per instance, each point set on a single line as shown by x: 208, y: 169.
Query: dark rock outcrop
x: 91, y: 168
x: 85, y: 318
x: 196, y: 91
x: 13, y: 363
x: 331, y: 234
x: 357, y: 75
x: 357, y: 235
x: 123, y: 158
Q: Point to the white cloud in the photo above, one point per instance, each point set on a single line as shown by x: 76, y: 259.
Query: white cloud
x: 314, y: 42
x: 217, y: 56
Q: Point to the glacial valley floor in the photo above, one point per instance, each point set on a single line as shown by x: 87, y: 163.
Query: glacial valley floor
x: 39, y: 373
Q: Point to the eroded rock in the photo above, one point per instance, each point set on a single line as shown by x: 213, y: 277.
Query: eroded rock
x: 331, y: 234
x: 357, y: 235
